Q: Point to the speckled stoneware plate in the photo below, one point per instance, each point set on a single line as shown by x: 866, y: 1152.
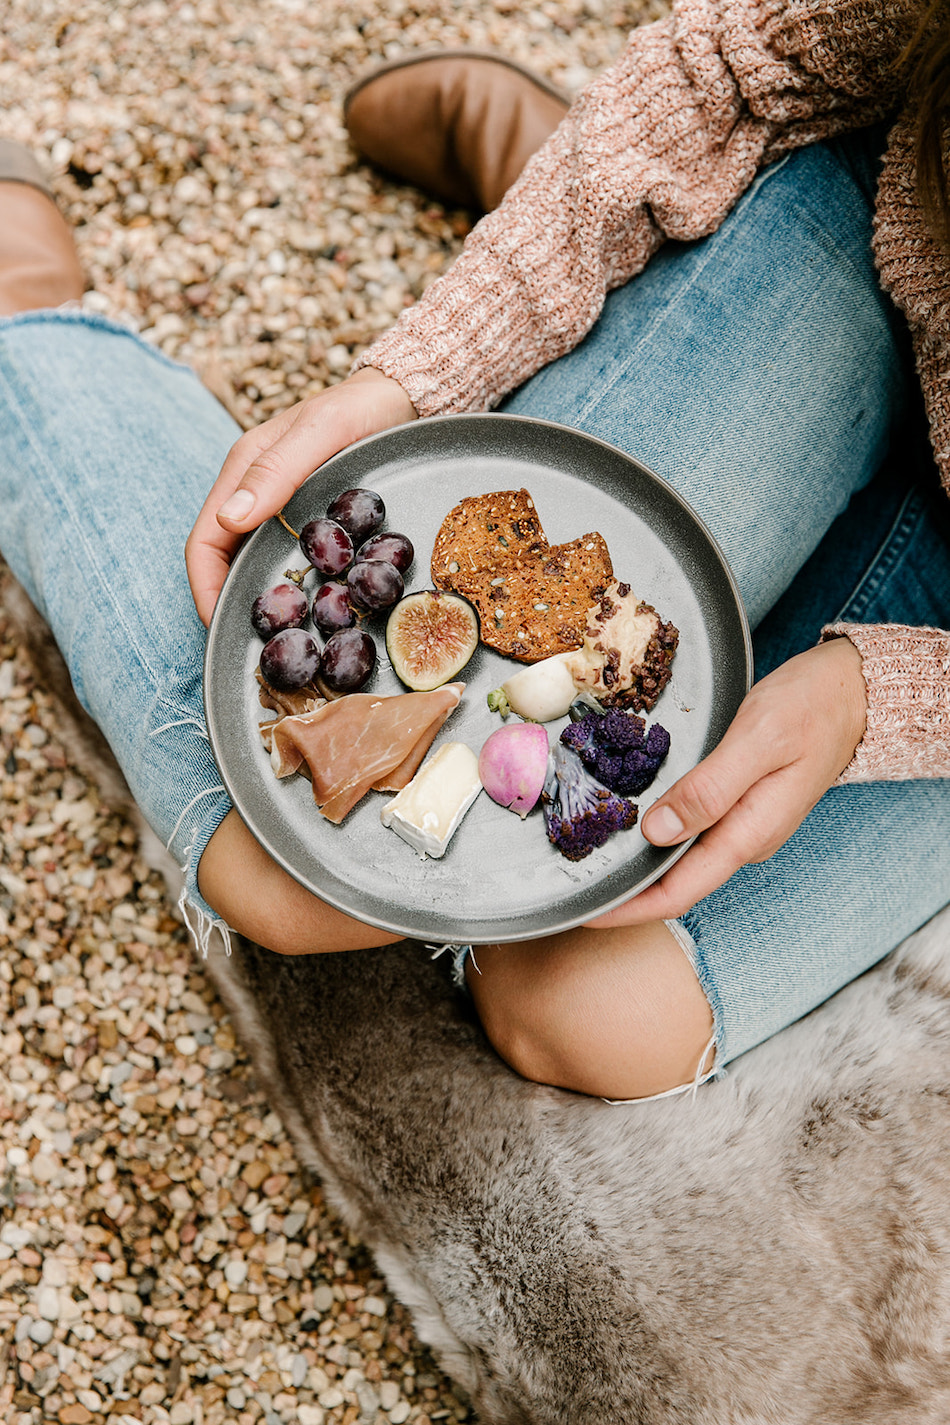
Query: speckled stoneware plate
x: 500, y: 879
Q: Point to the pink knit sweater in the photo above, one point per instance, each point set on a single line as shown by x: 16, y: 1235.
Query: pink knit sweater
x: 662, y: 145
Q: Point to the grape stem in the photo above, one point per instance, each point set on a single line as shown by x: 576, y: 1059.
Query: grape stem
x: 297, y: 576
x: 280, y: 516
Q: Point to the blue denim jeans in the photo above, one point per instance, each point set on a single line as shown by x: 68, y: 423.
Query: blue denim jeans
x: 762, y: 371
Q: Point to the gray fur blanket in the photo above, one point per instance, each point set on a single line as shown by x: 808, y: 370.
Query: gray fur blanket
x: 773, y: 1250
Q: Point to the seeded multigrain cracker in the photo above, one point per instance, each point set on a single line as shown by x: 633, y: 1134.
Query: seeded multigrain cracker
x: 482, y: 529
x: 535, y: 603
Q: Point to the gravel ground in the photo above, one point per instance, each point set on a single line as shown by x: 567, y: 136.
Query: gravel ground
x: 162, y: 1256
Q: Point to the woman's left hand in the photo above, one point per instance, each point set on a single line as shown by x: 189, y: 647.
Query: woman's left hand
x: 793, y: 735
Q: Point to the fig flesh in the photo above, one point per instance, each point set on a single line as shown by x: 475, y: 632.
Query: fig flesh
x: 430, y: 636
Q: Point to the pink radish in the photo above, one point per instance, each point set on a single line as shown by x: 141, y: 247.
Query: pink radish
x: 512, y: 765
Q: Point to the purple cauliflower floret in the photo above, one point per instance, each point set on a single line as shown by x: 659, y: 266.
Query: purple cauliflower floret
x: 615, y: 748
x: 580, y: 812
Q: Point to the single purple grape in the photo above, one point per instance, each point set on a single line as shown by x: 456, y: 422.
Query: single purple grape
x: 327, y: 546
x: 374, y: 584
x: 331, y: 609
x: 349, y: 657
x: 396, y: 549
x: 290, y: 660
x: 283, y: 606
x: 360, y: 512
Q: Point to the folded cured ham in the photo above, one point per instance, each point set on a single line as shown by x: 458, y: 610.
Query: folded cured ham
x: 360, y: 743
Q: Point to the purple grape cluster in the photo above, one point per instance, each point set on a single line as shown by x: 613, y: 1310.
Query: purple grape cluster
x: 362, y: 569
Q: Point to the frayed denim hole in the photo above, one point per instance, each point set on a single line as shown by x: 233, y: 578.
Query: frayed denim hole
x: 200, y: 922
x: 201, y: 926
x: 459, y: 954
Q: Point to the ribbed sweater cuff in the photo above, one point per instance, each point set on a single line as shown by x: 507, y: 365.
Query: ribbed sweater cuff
x: 907, y: 673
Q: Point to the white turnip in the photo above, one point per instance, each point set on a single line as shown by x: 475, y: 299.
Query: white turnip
x: 540, y: 693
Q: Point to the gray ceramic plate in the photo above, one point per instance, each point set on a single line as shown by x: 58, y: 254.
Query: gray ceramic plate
x: 499, y: 879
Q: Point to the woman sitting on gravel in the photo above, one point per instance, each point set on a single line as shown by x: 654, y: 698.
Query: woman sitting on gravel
x: 685, y: 268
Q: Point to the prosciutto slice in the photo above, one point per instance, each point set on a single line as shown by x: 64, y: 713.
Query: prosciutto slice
x: 362, y: 743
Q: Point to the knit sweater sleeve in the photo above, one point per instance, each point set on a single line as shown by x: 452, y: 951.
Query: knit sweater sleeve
x: 661, y: 145
x: 907, y: 673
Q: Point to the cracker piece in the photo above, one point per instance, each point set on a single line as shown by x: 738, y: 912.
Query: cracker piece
x: 535, y: 604
x: 482, y: 529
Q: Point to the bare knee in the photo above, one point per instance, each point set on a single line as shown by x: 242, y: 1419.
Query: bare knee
x: 616, y: 1014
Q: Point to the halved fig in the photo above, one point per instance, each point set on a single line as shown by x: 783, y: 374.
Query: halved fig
x: 430, y: 636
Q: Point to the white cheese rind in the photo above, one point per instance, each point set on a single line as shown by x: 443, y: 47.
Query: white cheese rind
x: 427, y: 811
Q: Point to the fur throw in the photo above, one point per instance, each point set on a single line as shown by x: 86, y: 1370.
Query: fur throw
x: 774, y: 1250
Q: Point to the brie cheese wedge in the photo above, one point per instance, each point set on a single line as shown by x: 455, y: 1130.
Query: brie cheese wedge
x: 427, y: 811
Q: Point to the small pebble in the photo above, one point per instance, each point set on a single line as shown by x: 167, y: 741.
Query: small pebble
x: 388, y: 1395
x: 43, y: 1168
x: 307, y: 1414
x: 235, y: 1273
x: 47, y: 1303
x: 55, y: 1272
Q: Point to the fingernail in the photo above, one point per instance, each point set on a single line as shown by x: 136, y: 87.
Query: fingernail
x: 663, y: 825
x: 238, y: 506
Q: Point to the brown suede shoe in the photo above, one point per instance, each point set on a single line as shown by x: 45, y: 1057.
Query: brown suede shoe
x: 459, y: 124
x: 39, y: 266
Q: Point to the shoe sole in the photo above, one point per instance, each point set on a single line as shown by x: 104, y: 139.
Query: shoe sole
x: 471, y: 54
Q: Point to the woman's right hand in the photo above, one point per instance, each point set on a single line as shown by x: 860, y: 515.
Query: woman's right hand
x: 792, y: 737
x: 268, y: 463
